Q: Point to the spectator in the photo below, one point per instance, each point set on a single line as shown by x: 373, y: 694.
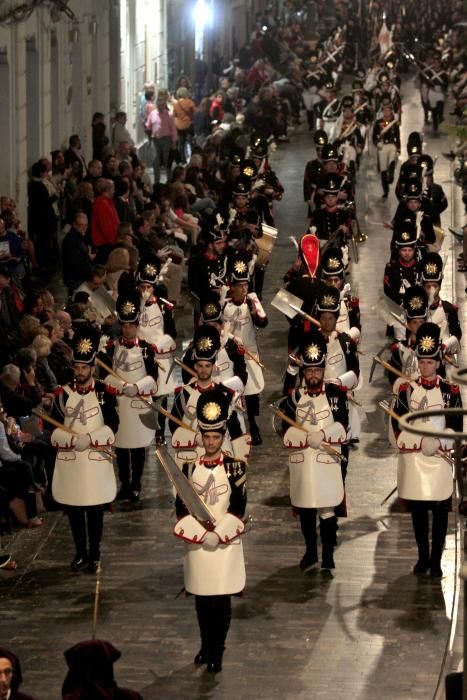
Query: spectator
x: 83, y: 200
x: 91, y: 675
x: 202, y: 122
x: 201, y: 71
x: 117, y: 263
x: 104, y: 222
x: 76, y: 256
x: 216, y: 110
x: 120, y: 133
x: 121, y: 200
x: 163, y: 134
x: 183, y: 111
x: 13, y: 402
x: 11, y: 677
x: 74, y: 158
x: 94, y: 173
x: 42, y: 345
x: 42, y: 219
x: 99, y: 137
x: 110, y: 169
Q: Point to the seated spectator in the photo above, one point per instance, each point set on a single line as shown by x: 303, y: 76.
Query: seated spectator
x: 11, y: 248
x: 46, y: 378
x: 91, y: 674
x: 14, y: 401
x: 9, y: 336
x: 117, y: 263
x: 96, y: 302
x: 16, y: 476
x: 12, y: 678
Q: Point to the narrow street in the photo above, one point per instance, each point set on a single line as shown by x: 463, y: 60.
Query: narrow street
x: 371, y: 629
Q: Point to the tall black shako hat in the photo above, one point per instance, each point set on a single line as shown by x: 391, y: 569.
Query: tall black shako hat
x: 405, y: 235
x: 432, y: 268
x: 331, y: 183
x: 329, y: 299
x: 127, y: 307
x: 238, y: 267
x: 210, y: 308
x: 148, y: 270
x: 212, y: 411
x: 332, y: 263
x: 313, y: 349
x: 206, y: 343
x: 85, y: 345
x: 241, y: 186
x: 428, y: 344
x: 415, y: 302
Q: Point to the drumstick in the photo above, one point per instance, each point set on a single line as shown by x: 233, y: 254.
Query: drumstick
x: 158, y: 409
x: 68, y: 430
x: 392, y: 369
x: 396, y: 417
x: 327, y: 448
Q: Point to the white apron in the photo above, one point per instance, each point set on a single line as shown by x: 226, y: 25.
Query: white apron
x: 238, y: 322
x: 315, y: 476
x: 84, y: 478
x: 220, y: 571
x: 151, y: 329
x: 132, y: 432
x: 423, y: 478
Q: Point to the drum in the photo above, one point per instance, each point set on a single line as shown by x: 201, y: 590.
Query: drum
x: 265, y: 245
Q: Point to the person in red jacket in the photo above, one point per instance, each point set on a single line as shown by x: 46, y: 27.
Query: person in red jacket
x: 104, y: 221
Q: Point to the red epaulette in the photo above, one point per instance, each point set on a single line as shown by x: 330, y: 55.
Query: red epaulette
x: 111, y: 390
x: 404, y: 387
x: 393, y: 347
x: 354, y: 303
x: 455, y: 389
x: 110, y: 343
x: 178, y: 389
x: 58, y: 390
x: 342, y: 388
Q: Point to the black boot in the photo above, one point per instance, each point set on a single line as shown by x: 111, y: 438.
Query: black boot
x: 391, y: 171
x: 220, y: 624
x: 252, y: 410
x: 420, y: 528
x: 202, y: 612
x: 385, y: 184
x: 438, y: 537
x: 328, y: 530
x: 308, y: 525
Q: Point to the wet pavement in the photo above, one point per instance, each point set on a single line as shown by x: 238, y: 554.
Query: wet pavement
x: 370, y: 629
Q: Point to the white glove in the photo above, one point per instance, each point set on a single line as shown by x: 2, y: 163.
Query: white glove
x: 315, y: 439
x: 130, y: 390
x: 210, y: 540
x: 82, y: 442
x: 430, y: 446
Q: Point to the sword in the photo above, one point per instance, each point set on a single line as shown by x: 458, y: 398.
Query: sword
x: 184, y: 488
x: 375, y: 361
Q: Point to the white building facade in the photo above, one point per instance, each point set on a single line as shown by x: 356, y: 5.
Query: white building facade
x: 58, y: 68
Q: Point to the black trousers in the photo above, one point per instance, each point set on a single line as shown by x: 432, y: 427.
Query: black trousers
x: 439, y: 527
x: 87, y: 523
x: 130, y: 463
x: 214, y: 613
x: 252, y: 407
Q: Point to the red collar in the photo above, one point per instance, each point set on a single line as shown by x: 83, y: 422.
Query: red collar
x: 86, y: 389
x: 211, y: 463
x: 210, y: 256
x: 404, y: 264
x: 430, y: 383
x: 129, y: 343
x: 201, y: 389
x: 315, y: 391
